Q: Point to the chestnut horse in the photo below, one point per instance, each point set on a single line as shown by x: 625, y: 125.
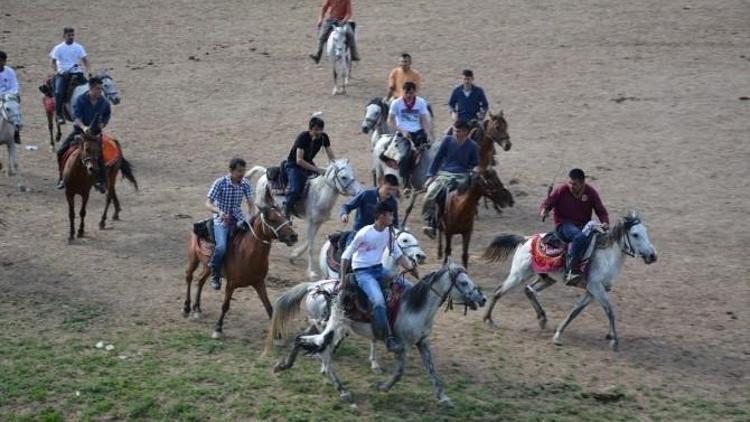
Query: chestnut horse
x: 121, y: 165
x: 246, y: 261
x: 494, y: 130
x: 461, y: 207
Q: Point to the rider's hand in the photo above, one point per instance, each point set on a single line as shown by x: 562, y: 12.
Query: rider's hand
x: 345, y: 218
x: 544, y: 213
x: 428, y: 181
x: 87, y: 130
x: 319, y: 23
x: 605, y: 226
x: 321, y: 171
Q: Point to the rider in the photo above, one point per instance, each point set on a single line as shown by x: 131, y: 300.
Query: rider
x: 339, y: 13
x: 457, y: 157
x: 365, y: 203
x: 225, y: 201
x: 299, y: 164
x: 468, y: 102
x: 9, y: 85
x: 91, y: 114
x: 365, y: 254
x: 402, y: 74
x: 409, y: 116
x: 65, y: 59
x: 573, y: 203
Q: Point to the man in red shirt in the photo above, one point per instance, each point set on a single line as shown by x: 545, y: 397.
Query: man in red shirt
x: 339, y: 13
x: 573, y: 203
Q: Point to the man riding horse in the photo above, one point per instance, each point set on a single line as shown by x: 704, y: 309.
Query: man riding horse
x: 9, y: 86
x: 64, y: 60
x: 225, y: 201
x: 573, y: 203
x: 366, y: 202
x: 299, y: 165
x: 457, y: 157
x: 467, y: 101
x: 91, y: 114
x: 409, y: 117
x: 365, y: 254
x: 339, y: 13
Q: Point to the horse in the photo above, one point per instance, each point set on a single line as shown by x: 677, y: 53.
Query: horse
x: 10, y: 120
x: 121, y: 165
x: 245, y: 264
x: 376, y: 119
x: 460, y: 207
x: 340, y: 56
x: 109, y: 89
x: 494, y: 130
x: 338, y: 179
x: 79, y: 175
x: 628, y: 237
x: 413, y: 325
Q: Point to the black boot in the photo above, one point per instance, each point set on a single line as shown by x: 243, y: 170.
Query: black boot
x: 215, y: 279
x: 572, y: 270
x: 392, y: 343
x: 316, y: 57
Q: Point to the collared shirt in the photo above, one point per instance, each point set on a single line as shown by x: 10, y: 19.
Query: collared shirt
x: 397, y: 78
x: 67, y: 57
x: 8, y: 81
x: 454, y: 157
x: 368, y: 247
x: 365, y: 203
x: 569, y: 209
x: 228, y: 197
x: 467, y: 106
x: 83, y: 109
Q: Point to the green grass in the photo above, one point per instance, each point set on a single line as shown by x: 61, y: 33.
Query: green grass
x: 51, y: 371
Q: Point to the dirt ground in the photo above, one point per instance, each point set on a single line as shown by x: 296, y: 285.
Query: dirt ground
x: 646, y: 96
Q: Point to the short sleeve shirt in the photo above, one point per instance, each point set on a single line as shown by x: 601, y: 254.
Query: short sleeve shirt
x: 408, y: 118
x: 68, y: 56
x: 311, y: 146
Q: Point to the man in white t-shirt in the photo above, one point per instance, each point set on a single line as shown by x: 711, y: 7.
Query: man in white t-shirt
x: 410, y: 117
x: 365, y: 254
x: 65, y: 60
x: 8, y: 85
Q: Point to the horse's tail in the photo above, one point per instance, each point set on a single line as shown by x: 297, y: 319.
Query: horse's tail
x: 284, y: 309
x: 127, y: 172
x: 501, y: 247
x: 256, y: 171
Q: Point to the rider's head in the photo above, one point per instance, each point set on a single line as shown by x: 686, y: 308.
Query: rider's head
x: 316, y: 127
x: 237, y: 168
x: 95, y: 87
x: 468, y: 76
x: 410, y: 91
x: 383, y: 214
x: 389, y: 187
x: 405, y: 62
x: 69, y: 35
x: 3, y: 58
x: 577, y: 181
x: 461, y: 130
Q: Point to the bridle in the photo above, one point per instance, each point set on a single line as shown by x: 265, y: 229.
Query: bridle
x: 627, y: 247
x: 501, y: 137
x: 3, y: 112
x: 265, y: 225
x: 453, y: 278
x: 337, y: 184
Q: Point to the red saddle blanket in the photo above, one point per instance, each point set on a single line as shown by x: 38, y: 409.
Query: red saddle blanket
x: 545, y: 258
x: 110, y: 150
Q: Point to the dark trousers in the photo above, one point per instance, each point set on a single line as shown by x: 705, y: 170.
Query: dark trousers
x: 296, y: 178
x: 406, y: 166
x: 577, y: 241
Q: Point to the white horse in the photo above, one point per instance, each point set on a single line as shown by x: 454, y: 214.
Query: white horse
x: 376, y: 119
x: 396, y: 150
x: 339, y: 179
x: 340, y: 56
x: 413, y: 325
x: 628, y: 237
x: 10, y: 120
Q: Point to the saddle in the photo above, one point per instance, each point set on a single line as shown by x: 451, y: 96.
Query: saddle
x: 110, y: 151
x: 204, y: 231
x: 549, y: 251
x: 277, y: 180
x: 358, y: 308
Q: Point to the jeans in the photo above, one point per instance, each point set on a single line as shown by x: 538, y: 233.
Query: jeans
x: 576, y: 239
x: 369, y: 281
x: 61, y: 86
x: 296, y: 178
x: 406, y: 166
x: 221, y: 236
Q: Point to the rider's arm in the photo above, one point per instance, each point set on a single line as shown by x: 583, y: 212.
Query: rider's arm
x: 77, y: 111
x: 549, y: 203
x: 452, y: 104
x: 351, y: 204
x: 106, y: 114
x: 391, y: 84
x: 473, y: 158
x: 329, y: 153
x: 438, y: 160
x: 13, y: 89
x: 424, y: 121
x: 346, y: 257
x: 348, y: 14
x: 344, y: 270
x: 323, y: 10
x: 406, y: 263
x: 86, y: 63
x: 211, y: 206
x: 599, y: 209
x: 53, y: 65
x: 484, y: 105
x: 304, y: 164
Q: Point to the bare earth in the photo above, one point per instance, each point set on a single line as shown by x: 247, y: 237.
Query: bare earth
x: 644, y: 95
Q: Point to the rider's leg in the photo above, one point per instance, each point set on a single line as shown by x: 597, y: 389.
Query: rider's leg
x: 428, y: 209
x: 60, y: 88
x: 352, y: 40
x: 60, y: 152
x: 101, y: 173
x: 572, y: 234
x: 296, y: 184
x: 369, y: 281
x: 221, y: 235
x: 323, y: 32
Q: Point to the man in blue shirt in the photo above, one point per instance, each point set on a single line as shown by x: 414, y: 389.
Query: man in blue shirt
x: 365, y: 203
x: 468, y: 101
x: 91, y: 113
x: 457, y: 157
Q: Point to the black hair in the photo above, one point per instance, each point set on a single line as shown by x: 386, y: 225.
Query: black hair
x: 461, y: 124
x: 68, y: 30
x: 409, y: 86
x: 390, y: 179
x: 382, y: 208
x: 317, y: 122
x: 577, y: 174
x: 406, y: 56
x: 468, y: 73
x: 236, y: 162
x: 3, y: 56
x: 95, y: 80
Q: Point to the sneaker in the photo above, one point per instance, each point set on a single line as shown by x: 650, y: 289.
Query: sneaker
x: 60, y: 120
x: 572, y: 277
x: 216, y: 282
x: 60, y: 184
x: 429, y: 232
x: 394, y: 345
x: 100, y: 187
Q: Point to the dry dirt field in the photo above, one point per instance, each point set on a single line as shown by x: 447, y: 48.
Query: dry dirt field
x: 646, y: 96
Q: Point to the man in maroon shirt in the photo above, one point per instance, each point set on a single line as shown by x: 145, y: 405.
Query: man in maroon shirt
x: 573, y: 203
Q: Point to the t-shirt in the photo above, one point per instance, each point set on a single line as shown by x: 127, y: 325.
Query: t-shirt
x: 398, y: 78
x: 338, y: 9
x: 368, y: 247
x: 408, y: 118
x: 8, y: 81
x: 311, y: 147
x: 453, y: 157
x: 68, y: 56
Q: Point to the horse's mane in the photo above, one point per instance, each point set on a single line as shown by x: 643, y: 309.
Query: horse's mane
x: 619, y: 230
x: 416, y: 297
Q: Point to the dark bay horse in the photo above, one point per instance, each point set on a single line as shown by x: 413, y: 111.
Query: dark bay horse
x: 494, y: 130
x: 460, y: 209
x: 246, y: 261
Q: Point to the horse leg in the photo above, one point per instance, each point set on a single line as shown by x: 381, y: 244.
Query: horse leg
x: 115, y: 200
x: 398, y: 373
x: 193, y: 263
x: 260, y: 288
x: 219, y: 328
x: 515, y: 277
x: 583, y: 301
x: 466, y: 238
x: 335, y: 80
x: 601, y: 296
x: 440, y: 244
x: 59, y: 133
x: 292, y: 356
x: 327, y: 358
x: 103, y: 221
x: 429, y: 366
x: 196, y: 311
x: 374, y: 364
x: 532, y: 293
x: 312, y: 231
x: 448, y: 248
x: 51, y: 129
x: 84, y: 201
x: 71, y: 215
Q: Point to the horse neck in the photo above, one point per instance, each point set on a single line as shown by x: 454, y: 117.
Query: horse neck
x: 486, y: 149
x: 465, y: 204
x: 426, y: 315
x: 610, y: 256
x: 325, y: 194
x: 253, y: 243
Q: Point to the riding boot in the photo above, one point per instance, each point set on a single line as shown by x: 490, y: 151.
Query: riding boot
x: 353, y: 49
x: 572, y: 269
x: 101, y: 180
x: 393, y: 343
x: 215, y: 279
x: 318, y: 53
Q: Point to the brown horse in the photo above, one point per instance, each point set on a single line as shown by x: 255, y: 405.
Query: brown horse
x: 461, y: 207
x: 494, y: 130
x: 246, y: 261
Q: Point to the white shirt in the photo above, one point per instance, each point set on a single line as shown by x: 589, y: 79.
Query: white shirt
x: 8, y: 81
x: 408, y: 119
x: 368, y: 247
x: 68, y: 57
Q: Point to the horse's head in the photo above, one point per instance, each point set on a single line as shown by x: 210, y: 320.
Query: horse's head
x: 496, y: 128
x: 340, y: 174
x: 399, y: 149
x: 464, y: 290
x: 493, y: 188
x: 273, y: 220
x: 10, y: 109
x: 109, y: 89
x: 91, y: 148
x: 635, y: 237
x: 410, y: 247
x: 339, y: 39
x: 375, y: 112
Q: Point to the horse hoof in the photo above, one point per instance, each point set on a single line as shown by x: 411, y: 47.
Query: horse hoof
x: 542, y: 323
x: 279, y: 342
x: 22, y: 188
x: 281, y: 366
x: 615, y: 345
x: 81, y: 234
x: 70, y: 240
x: 102, y: 225
x: 346, y: 396
x: 377, y: 370
x: 217, y: 335
x: 198, y: 315
x: 557, y: 341
x: 185, y: 313
x: 446, y: 402
x: 490, y: 323
x: 382, y: 387
x: 116, y: 217
x: 609, y: 337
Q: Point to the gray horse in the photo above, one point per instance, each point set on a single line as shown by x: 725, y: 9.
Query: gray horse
x: 10, y: 119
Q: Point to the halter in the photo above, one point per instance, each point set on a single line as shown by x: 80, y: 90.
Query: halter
x: 627, y: 247
x: 453, y: 278
x: 336, y: 181
x: 265, y: 225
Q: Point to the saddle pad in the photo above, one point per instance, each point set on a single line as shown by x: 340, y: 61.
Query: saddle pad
x: 110, y: 150
x: 206, y: 248
x: 544, y: 259
x: 358, y: 308
x: 49, y: 104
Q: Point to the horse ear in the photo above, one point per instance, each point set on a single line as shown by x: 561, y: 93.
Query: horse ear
x: 492, y: 116
x: 500, y: 114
